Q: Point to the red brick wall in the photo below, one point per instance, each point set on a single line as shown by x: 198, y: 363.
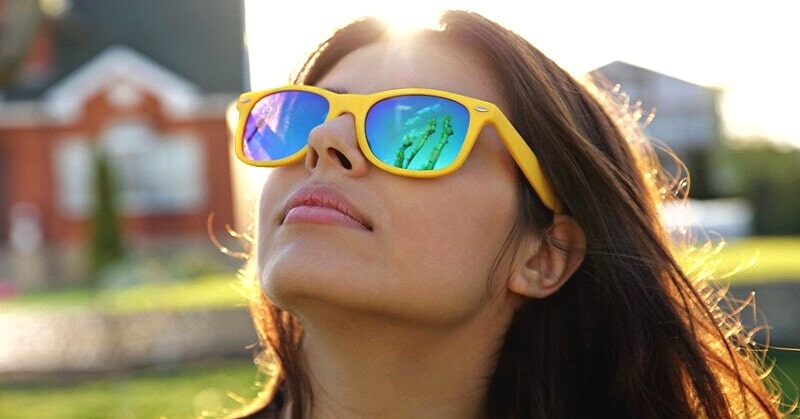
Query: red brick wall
x: 26, y: 171
x: 27, y: 165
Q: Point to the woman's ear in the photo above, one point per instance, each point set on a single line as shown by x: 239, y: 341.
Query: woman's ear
x: 546, y: 265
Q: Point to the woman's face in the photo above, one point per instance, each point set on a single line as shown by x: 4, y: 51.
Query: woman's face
x: 414, y: 250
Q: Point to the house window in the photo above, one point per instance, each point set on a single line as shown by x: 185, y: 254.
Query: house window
x: 73, y: 176
x: 153, y: 173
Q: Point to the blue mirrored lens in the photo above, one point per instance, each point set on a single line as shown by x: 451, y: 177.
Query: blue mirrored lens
x: 279, y: 124
x: 417, y: 132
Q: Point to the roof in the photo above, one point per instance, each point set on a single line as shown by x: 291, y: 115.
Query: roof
x: 200, y: 40
x: 686, y: 115
x: 123, y: 75
x: 616, y: 68
x: 125, y: 72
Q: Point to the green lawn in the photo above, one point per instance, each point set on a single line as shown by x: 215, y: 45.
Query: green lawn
x: 760, y: 259
x: 218, y: 290
x: 186, y: 392
x: 787, y: 372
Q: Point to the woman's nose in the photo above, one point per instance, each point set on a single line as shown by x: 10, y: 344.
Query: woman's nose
x: 333, y: 146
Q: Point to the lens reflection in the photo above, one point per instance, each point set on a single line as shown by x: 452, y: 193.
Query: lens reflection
x: 279, y: 124
x: 417, y: 132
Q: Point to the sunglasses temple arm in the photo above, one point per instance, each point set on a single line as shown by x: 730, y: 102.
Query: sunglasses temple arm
x: 528, y: 163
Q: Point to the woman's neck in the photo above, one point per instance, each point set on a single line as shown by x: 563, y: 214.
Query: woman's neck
x: 371, y: 368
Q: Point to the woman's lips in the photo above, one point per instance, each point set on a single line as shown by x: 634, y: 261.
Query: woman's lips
x: 322, y: 205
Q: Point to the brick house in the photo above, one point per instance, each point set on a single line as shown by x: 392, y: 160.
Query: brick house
x: 162, y: 128
x: 162, y: 136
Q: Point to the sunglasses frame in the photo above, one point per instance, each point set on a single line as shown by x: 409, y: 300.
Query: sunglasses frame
x: 481, y: 113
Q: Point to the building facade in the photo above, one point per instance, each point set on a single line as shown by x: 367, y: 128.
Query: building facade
x: 150, y: 92
x: 166, y: 142
x: 686, y: 116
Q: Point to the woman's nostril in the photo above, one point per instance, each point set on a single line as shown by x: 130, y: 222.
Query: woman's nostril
x: 342, y: 158
x: 313, y: 156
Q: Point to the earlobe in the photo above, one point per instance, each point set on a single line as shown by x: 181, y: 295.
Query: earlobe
x: 523, y: 281
x: 546, y: 265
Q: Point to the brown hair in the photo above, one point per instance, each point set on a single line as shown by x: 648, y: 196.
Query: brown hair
x: 630, y: 334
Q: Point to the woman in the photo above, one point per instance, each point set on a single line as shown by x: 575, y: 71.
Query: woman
x: 420, y: 255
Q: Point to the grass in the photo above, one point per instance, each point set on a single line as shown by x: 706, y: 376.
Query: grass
x: 188, y: 392
x: 787, y: 372
x: 751, y: 260
x: 181, y: 391
x: 761, y: 259
x: 208, y: 291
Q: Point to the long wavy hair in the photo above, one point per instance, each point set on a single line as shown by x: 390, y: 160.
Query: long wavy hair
x: 634, y: 332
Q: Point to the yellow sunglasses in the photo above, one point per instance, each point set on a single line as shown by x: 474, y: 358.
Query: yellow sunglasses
x: 421, y: 133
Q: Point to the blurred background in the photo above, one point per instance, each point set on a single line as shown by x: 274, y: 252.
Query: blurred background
x: 117, y: 187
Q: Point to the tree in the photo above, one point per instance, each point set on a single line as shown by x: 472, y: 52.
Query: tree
x: 769, y: 177
x: 19, y: 20
x: 106, y: 232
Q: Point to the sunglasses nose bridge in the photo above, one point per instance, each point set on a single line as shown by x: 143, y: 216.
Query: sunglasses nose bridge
x: 347, y: 104
x: 357, y: 107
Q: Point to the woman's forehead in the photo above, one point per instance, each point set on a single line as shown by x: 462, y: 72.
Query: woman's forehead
x: 414, y: 61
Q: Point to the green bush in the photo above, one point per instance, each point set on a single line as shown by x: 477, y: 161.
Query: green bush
x: 106, y: 234
x: 208, y: 389
x: 769, y: 177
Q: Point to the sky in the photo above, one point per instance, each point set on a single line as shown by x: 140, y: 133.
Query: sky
x: 746, y: 49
